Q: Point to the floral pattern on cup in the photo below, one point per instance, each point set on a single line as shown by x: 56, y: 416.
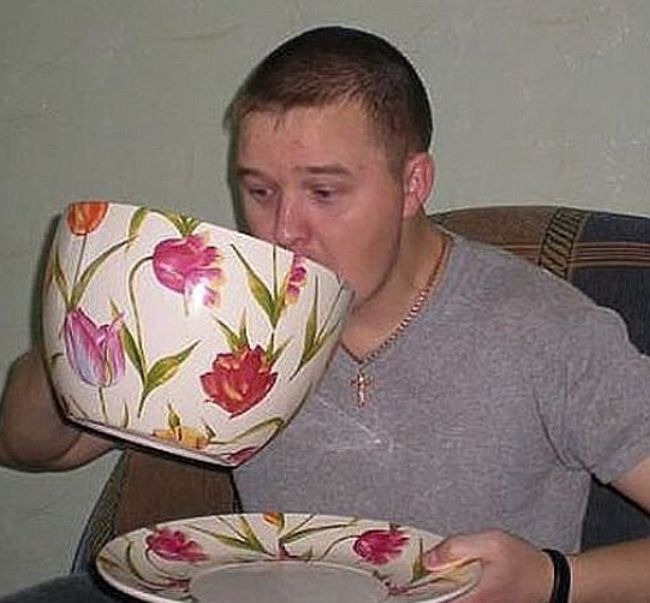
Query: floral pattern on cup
x: 85, y: 216
x: 239, y: 381
x: 188, y: 437
x: 294, y: 280
x: 94, y: 351
x: 182, y: 335
x: 189, y: 266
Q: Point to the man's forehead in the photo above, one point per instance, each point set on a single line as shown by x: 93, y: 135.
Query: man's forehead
x: 276, y: 117
x: 336, y: 133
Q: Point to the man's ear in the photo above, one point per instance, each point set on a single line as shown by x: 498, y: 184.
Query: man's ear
x: 418, y: 177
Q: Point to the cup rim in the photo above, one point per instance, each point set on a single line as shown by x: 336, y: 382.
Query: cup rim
x: 240, y: 234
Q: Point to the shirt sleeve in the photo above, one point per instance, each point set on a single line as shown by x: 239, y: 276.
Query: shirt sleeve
x: 599, y: 416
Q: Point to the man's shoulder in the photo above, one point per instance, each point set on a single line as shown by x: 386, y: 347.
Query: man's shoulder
x: 514, y: 291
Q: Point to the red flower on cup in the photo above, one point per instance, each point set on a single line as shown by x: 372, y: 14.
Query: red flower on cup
x: 189, y: 266
x: 85, y: 216
x: 241, y: 456
x: 94, y: 351
x: 238, y: 381
x: 174, y: 545
x: 380, y: 546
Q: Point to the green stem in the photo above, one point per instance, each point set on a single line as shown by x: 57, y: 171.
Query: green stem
x: 275, y: 274
x: 143, y: 397
x: 330, y: 312
x: 270, y: 348
x: 334, y: 543
x: 275, y: 422
x: 136, y: 313
x: 102, y: 400
x: 298, y: 527
x: 82, y: 251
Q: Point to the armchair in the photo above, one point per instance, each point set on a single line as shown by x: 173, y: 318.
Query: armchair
x: 605, y: 255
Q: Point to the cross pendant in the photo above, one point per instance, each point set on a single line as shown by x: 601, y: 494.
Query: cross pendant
x: 362, y: 383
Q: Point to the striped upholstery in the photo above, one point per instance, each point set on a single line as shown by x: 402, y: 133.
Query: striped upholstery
x: 605, y: 255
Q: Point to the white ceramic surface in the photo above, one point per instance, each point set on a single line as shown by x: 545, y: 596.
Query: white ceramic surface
x: 280, y: 558
x: 181, y: 335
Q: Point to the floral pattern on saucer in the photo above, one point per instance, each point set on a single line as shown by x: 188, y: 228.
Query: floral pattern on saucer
x: 159, y: 563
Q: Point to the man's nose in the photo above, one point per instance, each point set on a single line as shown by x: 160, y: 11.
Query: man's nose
x: 291, y: 229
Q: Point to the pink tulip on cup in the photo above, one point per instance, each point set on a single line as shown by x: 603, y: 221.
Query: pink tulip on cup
x: 189, y: 266
x: 94, y: 351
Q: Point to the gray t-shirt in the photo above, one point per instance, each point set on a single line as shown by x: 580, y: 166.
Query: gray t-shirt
x: 490, y: 410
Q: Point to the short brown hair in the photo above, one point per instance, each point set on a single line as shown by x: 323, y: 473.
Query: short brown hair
x: 330, y: 64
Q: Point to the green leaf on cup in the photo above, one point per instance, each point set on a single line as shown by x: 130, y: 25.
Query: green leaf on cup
x: 173, y: 419
x: 260, y: 291
x: 316, y: 337
x: 136, y: 222
x: 162, y: 371
x: 183, y: 224
x: 273, y: 354
x: 275, y: 423
x: 133, y: 352
x: 311, y: 326
x: 80, y: 288
x: 126, y: 417
x: 60, y: 280
x: 236, y: 341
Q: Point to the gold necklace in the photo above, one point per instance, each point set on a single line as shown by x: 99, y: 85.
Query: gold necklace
x: 362, y: 381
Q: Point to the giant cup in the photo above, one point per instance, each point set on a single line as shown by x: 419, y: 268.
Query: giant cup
x: 180, y: 335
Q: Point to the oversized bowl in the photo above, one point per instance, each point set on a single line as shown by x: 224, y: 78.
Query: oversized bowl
x: 180, y: 335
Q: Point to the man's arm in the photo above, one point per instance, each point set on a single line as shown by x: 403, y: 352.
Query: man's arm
x: 619, y: 572
x: 514, y: 570
x: 33, y: 433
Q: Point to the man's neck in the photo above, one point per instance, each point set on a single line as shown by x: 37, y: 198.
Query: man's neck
x: 370, y: 324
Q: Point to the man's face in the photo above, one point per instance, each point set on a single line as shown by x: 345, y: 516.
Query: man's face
x: 317, y: 181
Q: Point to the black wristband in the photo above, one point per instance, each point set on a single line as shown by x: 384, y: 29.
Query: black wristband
x: 561, y: 577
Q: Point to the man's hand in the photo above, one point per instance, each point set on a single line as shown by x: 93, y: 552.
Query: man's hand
x: 516, y: 572
x: 513, y: 570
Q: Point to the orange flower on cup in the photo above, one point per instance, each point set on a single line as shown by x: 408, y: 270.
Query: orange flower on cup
x: 189, y: 437
x: 85, y: 216
x: 240, y: 380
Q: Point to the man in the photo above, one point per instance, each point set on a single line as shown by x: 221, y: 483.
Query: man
x: 455, y: 402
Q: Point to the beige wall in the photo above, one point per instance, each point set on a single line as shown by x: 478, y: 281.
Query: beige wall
x: 535, y: 102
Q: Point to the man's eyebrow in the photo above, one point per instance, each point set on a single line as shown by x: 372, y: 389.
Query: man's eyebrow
x: 242, y: 172
x: 329, y: 169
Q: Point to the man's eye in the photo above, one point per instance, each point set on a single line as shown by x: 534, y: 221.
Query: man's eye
x: 259, y: 193
x: 323, y: 194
